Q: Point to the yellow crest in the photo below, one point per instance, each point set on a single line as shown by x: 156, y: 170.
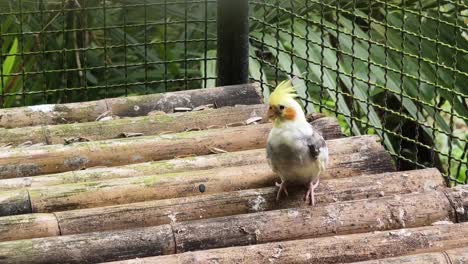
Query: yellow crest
x: 285, y: 90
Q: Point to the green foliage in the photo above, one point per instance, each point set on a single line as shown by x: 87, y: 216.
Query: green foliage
x: 79, y: 50
x: 385, y: 69
x: 8, y: 65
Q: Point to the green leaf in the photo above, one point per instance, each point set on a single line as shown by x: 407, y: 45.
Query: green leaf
x: 444, y: 55
x: 392, y: 82
x: 358, y: 88
x: 329, y: 75
x: 8, y: 64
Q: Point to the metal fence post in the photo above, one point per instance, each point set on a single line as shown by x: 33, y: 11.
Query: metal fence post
x: 233, y: 42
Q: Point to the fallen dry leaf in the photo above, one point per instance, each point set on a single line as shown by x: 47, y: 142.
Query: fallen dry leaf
x: 253, y: 120
x: 129, y: 134
x: 215, y: 150
x: 105, y: 114
x: 74, y: 140
x: 192, y: 129
x: 182, y: 109
x: 25, y: 144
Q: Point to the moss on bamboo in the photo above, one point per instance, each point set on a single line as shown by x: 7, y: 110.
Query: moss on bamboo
x: 153, y: 180
x: 129, y: 106
x: 147, y: 125
x: 355, y: 155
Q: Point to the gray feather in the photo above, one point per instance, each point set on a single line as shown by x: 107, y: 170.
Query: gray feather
x: 296, y: 157
x: 315, y: 142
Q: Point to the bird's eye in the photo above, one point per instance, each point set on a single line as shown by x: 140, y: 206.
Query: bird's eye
x: 281, y: 107
x: 270, y: 107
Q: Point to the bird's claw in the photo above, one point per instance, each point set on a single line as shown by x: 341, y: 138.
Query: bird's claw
x: 282, y: 188
x: 310, y: 195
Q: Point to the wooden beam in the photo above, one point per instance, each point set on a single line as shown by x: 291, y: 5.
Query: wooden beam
x: 458, y: 196
x: 90, y: 248
x: 145, y: 125
x: 188, y: 183
x: 357, y: 156
x: 154, y: 187
x: 158, y: 212
x: 129, y: 106
x: 358, y: 216
x: 329, y: 250
x: 195, y: 163
x: 450, y: 256
x: 28, y: 226
x: 411, y: 210
x: 242, y: 202
x: 15, y: 202
x: 37, y: 160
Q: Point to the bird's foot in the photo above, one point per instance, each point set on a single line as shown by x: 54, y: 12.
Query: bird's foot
x: 282, y: 188
x: 310, y: 195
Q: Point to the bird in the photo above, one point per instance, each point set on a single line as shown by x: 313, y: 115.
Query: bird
x: 295, y: 150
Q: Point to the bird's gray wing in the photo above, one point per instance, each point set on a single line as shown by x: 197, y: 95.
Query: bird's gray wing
x: 316, y: 144
x: 269, y: 152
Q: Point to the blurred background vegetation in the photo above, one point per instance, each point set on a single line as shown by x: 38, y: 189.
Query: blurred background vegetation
x: 397, y: 69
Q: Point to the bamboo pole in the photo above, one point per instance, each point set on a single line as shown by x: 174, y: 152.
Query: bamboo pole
x: 459, y: 198
x: 159, y: 212
x: 189, y: 183
x: 242, y: 202
x: 28, y: 226
x: 145, y: 125
x: 411, y: 210
x: 138, y: 189
x: 229, y: 159
x: 356, y: 156
x: 457, y: 255
x: 90, y: 248
x: 129, y: 106
x: 15, y: 202
x: 451, y: 256
x: 329, y: 250
x: 29, y: 161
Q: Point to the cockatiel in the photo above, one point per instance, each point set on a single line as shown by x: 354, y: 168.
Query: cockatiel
x: 295, y: 151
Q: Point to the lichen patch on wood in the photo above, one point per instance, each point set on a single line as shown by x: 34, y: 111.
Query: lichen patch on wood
x: 19, y: 170
x: 76, y: 162
x: 46, y: 108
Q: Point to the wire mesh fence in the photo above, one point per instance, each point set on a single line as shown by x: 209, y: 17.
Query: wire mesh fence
x: 397, y: 69
x: 78, y: 50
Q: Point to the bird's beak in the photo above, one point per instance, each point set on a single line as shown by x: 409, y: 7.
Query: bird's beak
x: 272, y: 113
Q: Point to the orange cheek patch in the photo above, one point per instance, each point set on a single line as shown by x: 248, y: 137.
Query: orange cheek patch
x: 289, y: 113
